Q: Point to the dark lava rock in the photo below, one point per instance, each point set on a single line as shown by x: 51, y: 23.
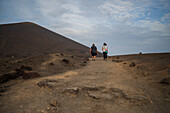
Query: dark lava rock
x: 46, y: 83
x: 27, y: 68
x: 85, y: 62
x: 62, y: 54
x: 90, y: 88
x: 50, y: 80
x: 117, y: 92
x: 52, y: 64
x: 65, y: 60
x: 137, y: 99
x: 166, y: 81
x: 9, y: 76
x: 132, y: 64
x: 73, y: 90
x: 30, y: 75
x: 93, y: 95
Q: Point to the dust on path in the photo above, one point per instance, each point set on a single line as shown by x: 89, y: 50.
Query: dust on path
x: 26, y: 96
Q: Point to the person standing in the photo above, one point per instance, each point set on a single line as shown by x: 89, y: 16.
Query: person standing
x: 105, y: 51
x: 93, y: 51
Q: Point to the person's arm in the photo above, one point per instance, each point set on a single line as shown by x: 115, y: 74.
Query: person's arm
x: 90, y: 50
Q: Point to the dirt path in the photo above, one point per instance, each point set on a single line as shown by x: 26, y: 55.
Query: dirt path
x: 99, y: 87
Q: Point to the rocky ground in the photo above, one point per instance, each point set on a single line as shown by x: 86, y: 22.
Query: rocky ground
x: 122, y: 84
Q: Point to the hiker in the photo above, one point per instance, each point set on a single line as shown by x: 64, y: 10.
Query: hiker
x: 105, y: 51
x: 93, y: 51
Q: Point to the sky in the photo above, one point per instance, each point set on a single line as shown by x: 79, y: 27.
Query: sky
x: 127, y: 26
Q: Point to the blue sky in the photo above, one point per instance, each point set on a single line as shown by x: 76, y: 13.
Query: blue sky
x: 127, y: 26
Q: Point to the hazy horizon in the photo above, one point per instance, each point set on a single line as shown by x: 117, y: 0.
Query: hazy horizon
x: 128, y: 27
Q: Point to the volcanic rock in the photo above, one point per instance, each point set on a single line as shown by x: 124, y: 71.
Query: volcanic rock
x: 132, y: 64
x: 166, y: 81
x: 30, y: 75
x: 8, y: 76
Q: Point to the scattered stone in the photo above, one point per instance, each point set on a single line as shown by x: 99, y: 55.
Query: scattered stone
x: 132, y: 64
x: 62, y: 54
x: 54, y: 103
x: 124, y: 63
x: 99, y: 95
x: 50, y: 80
x: 117, y: 92
x: 30, y: 75
x: 85, y: 62
x: 166, y: 81
x: 51, y: 64
x: 93, y: 94
x: 65, y: 60
x: 137, y: 99
x: 44, y: 84
x: 73, y: 90
x: 19, y: 62
x: 90, y: 88
x: 72, y: 56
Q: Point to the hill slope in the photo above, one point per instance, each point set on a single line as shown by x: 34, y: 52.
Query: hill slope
x: 26, y: 39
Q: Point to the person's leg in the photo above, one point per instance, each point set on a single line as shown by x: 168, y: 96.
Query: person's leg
x: 106, y: 56
x: 103, y: 56
x: 94, y: 57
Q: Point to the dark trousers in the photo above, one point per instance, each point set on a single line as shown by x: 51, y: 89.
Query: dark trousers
x: 104, y: 55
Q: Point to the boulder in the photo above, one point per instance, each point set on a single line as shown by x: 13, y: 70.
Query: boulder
x: 166, y: 81
x: 132, y: 64
x: 30, y: 74
x: 51, y: 64
x: 91, y: 88
x: 73, y: 90
x: 65, y: 60
x: 47, y: 83
x: 54, y: 103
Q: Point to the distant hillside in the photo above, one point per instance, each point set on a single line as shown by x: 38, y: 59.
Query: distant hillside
x: 26, y: 39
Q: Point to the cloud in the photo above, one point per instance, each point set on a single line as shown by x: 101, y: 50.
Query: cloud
x: 127, y: 26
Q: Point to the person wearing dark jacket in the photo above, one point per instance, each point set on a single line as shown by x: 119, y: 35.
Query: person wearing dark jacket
x: 93, y: 51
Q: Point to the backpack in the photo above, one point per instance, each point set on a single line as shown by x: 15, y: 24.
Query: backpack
x: 94, y: 49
